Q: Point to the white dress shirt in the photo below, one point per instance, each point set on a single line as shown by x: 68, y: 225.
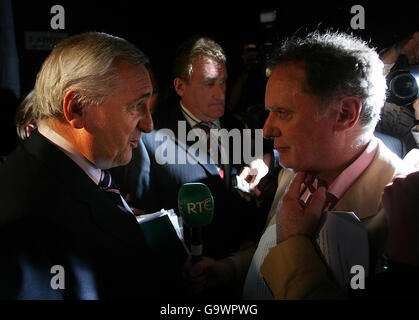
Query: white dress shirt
x: 88, y: 167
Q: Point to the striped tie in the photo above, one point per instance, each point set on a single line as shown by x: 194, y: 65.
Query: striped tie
x: 206, y: 126
x: 107, y: 184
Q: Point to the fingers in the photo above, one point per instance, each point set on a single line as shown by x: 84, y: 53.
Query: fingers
x: 317, y: 203
x: 244, y: 172
x: 198, y: 275
x: 309, y: 180
x: 295, y: 186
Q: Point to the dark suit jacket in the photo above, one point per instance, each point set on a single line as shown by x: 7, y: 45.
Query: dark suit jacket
x: 157, y: 185
x: 52, y: 213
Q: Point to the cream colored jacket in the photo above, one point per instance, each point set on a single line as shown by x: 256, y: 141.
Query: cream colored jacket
x: 293, y: 269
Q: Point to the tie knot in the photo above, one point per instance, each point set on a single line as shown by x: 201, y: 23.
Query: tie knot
x: 331, y: 199
x: 112, y: 192
x: 106, y: 181
x: 206, y: 126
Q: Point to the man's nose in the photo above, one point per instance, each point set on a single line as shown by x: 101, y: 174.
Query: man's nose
x: 219, y: 92
x: 145, y: 124
x: 270, y: 129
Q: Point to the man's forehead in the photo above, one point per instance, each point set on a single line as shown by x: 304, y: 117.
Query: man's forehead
x: 135, y: 78
x: 210, y: 68
x: 289, y: 71
x: 134, y: 72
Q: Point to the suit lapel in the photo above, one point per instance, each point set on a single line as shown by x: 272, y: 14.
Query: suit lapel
x: 184, y: 146
x: 364, y: 196
x: 104, y: 212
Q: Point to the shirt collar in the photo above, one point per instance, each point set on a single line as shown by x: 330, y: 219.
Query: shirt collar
x: 192, y: 120
x: 91, y: 170
x: 348, y: 176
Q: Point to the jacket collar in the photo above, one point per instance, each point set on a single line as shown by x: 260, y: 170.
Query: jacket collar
x: 364, y: 196
x: 104, y: 212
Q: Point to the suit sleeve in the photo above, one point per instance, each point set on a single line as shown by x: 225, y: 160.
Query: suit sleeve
x: 293, y: 270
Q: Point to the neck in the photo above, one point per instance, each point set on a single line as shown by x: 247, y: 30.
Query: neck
x: 73, y: 136
x: 348, y: 155
x: 63, y: 130
x: 197, y: 116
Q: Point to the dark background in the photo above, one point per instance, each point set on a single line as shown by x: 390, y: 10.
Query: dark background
x: 157, y: 27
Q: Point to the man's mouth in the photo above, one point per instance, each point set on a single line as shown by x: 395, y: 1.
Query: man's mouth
x: 134, y: 142
x: 281, y: 148
x: 217, y: 104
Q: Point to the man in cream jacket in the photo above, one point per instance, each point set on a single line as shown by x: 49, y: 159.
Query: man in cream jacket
x: 324, y: 98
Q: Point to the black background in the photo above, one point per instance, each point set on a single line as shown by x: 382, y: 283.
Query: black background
x: 157, y: 27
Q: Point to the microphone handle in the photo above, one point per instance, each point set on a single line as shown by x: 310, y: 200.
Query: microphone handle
x: 196, y: 244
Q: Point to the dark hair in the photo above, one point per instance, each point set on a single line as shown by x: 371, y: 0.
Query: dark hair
x: 338, y: 65
x: 194, y: 47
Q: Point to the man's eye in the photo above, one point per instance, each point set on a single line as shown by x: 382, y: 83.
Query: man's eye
x: 283, y: 114
x: 138, y: 106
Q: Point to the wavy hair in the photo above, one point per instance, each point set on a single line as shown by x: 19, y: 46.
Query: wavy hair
x: 84, y: 63
x: 337, y: 65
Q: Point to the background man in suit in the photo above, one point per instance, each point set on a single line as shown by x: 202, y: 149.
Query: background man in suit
x: 324, y: 95
x: 91, y: 105
x: 200, y: 77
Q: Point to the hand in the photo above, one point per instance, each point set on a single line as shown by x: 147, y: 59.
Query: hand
x: 401, y: 203
x: 256, y: 170
x: 296, y: 218
x: 408, y: 47
x: 209, y: 273
x: 268, y: 184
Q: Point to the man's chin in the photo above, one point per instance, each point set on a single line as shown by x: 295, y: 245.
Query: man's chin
x: 123, y: 160
x: 288, y: 164
x: 217, y: 112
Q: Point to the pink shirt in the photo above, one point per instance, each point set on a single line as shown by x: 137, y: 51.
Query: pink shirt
x: 348, y: 176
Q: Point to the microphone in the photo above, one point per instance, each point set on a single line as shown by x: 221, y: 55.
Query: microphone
x: 196, y: 207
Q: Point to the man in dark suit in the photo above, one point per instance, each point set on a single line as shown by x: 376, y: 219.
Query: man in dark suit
x: 200, y: 81
x: 61, y: 234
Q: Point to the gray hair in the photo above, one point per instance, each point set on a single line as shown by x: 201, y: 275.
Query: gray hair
x: 192, y: 48
x: 84, y: 63
x: 338, y: 65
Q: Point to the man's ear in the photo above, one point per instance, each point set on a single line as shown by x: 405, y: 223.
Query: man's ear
x: 73, y: 110
x: 348, y: 113
x: 179, y: 85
